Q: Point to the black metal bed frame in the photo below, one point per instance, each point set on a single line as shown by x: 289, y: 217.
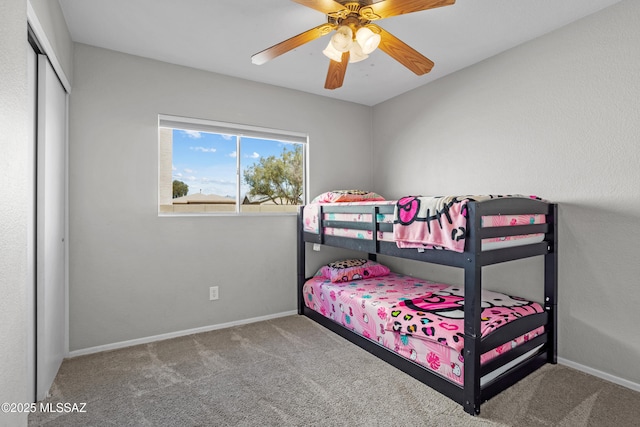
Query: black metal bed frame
x: 472, y: 394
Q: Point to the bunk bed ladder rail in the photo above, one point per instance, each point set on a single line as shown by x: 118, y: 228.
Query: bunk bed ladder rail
x: 471, y: 395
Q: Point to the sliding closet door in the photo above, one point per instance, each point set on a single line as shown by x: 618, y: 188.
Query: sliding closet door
x: 51, y: 200
x: 32, y: 74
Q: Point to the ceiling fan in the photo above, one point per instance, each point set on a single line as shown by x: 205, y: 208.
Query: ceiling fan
x: 356, y: 36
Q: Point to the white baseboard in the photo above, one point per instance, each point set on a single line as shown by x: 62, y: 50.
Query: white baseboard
x: 146, y: 340
x: 600, y: 374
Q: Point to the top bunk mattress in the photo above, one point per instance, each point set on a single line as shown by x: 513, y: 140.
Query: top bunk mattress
x: 419, y: 222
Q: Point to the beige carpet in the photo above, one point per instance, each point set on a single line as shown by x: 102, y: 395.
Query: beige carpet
x: 293, y: 372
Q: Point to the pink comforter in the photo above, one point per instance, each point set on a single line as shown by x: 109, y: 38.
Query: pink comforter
x: 439, y: 315
x: 371, y: 307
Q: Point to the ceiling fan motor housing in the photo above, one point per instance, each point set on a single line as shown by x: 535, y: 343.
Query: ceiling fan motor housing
x: 350, y: 16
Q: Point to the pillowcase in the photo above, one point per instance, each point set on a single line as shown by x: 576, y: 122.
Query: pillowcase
x: 353, y: 269
x: 337, y: 196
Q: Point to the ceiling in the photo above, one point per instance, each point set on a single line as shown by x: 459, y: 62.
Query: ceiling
x: 222, y: 35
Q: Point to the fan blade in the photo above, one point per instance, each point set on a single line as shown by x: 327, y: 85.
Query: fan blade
x: 337, y: 70
x: 402, y: 52
x: 388, y: 8
x: 292, y: 43
x: 325, y: 6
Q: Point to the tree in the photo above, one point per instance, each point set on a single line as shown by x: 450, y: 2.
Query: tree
x: 278, y: 178
x: 179, y: 189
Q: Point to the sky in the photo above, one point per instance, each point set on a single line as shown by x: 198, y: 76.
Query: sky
x: 206, y: 162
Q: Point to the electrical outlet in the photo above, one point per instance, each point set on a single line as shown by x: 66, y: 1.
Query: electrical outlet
x: 213, y: 293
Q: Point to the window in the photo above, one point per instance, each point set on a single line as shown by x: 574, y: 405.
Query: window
x: 213, y: 167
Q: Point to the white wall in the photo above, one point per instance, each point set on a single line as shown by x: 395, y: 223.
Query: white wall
x: 556, y: 117
x: 134, y: 274
x: 13, y: 211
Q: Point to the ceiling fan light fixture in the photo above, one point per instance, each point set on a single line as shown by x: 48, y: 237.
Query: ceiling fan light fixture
x: 367, y: 39
x: 356, y: 54
x: 342, y: 39
x: 356, y: 36
x: 332, y: 53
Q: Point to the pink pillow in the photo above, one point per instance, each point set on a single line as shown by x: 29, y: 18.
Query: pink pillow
x: 337, y: 196
x: 353, y: 269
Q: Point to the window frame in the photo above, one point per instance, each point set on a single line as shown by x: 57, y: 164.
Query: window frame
x: 239, y: 131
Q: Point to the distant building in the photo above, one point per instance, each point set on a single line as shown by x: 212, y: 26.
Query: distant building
x: 203, y: 199
x: 199, y: 203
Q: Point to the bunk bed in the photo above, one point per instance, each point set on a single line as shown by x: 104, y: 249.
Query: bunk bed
x: 485, y: 369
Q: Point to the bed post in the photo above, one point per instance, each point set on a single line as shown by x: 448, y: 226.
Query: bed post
x: 472, y: 310
x: 301, y: 260
x: 551, y: 286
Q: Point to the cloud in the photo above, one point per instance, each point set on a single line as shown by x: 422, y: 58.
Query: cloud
x: 228, y: 137
x: 189, y: 170
x: 193, y: 134
x: 233, y: 154
x: 254, y: 155
x: 207, y: 180
x: 203, y: 149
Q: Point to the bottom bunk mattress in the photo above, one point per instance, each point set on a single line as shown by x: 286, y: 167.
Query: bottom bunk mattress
x: 420, y: 320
